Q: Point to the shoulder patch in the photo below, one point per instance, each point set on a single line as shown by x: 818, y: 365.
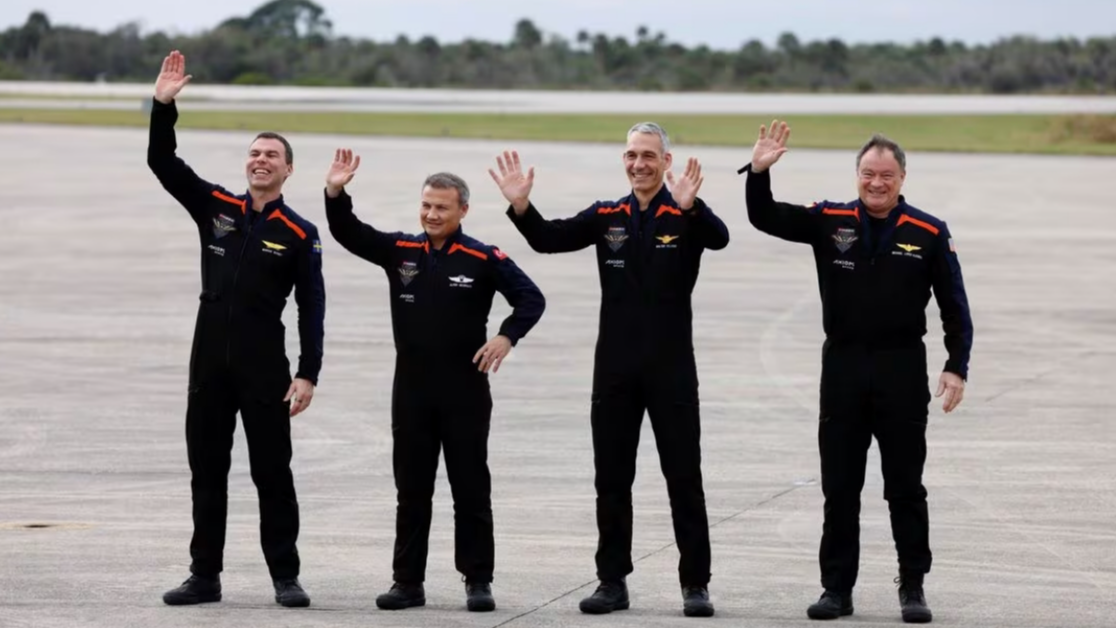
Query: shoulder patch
x: 499, y: 254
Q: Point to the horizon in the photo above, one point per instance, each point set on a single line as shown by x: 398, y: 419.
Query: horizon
x: 715, y: 25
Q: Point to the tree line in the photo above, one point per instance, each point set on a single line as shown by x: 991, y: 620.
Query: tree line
x: 291, y: 42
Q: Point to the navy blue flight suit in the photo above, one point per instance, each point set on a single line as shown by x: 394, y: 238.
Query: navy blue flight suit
x: 250, y: 262
x: 875, y: 279
x: 441, y: 299
x: 648, y: 263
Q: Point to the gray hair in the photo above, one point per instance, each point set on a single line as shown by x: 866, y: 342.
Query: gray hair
x: 653, y: 129
x: 448, y: 181
x: 880, y: 142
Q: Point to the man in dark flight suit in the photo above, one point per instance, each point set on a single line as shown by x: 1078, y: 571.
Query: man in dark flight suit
x: 649, y: 248
x: 878, y: 260
x: 442, y: 283
x: 255, y: 249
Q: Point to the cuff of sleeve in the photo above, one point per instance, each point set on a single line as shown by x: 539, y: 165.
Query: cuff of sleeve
x: 504, y: 331
x: 511, y: 212
x: 313, y: 379
x: 954, y: 366
x: 342, y: 201
x: 698, y: 209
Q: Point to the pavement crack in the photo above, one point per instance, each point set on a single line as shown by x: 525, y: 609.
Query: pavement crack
x: 1040, y: 375
x: 763, y: 502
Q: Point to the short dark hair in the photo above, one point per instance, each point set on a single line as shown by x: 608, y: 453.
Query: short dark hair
x: 880, y: 142
x: 272, y: 135
x: 448, y: 181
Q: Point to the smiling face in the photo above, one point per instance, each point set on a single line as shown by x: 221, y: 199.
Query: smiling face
x: 440, y: 212
x: 268, y: 165
x: 880, y: 178
x: 645, y: 162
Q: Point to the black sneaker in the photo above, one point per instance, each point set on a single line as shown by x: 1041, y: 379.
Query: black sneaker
x: 696, y: 602
x: 195, y: 590
x: 611, y: 595
x: 479, y: 597
x: 402, y: 596
x: 831, y: 605
x: 289, y: 593
x: 913, y: 605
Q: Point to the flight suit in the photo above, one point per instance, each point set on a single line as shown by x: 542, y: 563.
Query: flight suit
x: 250, y: 262
x: 648, y: 262
x: 440, y: 302
x: 875, y: 282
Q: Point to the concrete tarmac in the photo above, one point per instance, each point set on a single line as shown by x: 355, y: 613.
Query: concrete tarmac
x: 98, y: 290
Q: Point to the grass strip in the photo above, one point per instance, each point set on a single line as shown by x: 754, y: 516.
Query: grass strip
x: 1084, y: 134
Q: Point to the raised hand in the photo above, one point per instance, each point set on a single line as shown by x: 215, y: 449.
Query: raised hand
x: 172, y: 78
x: 770, y: 146
x: 513, y: 183
x: 341, y: 171
x: 685, y: 189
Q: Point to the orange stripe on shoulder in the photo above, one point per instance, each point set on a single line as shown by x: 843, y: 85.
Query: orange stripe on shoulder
x: 298, y: 230
x: 918, y: 223
x: 667, y: 209
x: 855, y: 212
x: 230, y: 199
x: 623, y: 207
x: 465, y: 249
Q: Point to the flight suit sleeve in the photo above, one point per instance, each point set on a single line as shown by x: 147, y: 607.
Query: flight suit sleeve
x: 358, y: 238
x: 954, y: 306
x: 560, y: 235
x: 522, y: 294
x: 711, y: 230
x: 310, y: 297
x: 177, y: 178
x: 795, y: 223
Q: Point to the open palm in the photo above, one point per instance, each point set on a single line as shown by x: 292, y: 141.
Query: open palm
x: 172, y: 78
x: 342, y: 169
x: 771, y: 144
x: 685, y: 188
x: 513, y: 183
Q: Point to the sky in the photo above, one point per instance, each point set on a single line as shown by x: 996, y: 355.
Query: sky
x: 723, y: 24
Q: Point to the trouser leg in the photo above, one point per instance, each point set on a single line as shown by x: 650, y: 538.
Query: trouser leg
x: 616, y: 413
x: 464, y: 426
x: 673, y: 411
x: 267, y: 429
x: 211, y: 419
x: 844, y: 436
x: 901, y: 396
x: 415, y: 449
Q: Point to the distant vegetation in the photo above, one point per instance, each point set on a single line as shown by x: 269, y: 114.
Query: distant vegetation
x: 291, y: 42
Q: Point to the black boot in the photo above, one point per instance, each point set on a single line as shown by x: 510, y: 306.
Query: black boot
x: 195, y: 590
x: 402, y: 596
x: 913, y: 605
x: 479, y: 597
x: 611, y: 595
x: 696, y: 602
x: 290, y: 593
x: 831, y: 605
